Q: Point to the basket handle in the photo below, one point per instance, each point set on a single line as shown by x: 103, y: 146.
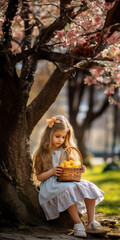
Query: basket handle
x: 81, y: 159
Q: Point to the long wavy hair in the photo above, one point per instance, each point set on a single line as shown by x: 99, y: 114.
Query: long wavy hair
x: 42, y: 158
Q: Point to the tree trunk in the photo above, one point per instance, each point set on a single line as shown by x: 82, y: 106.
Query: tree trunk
x: 19, y: 198
x: 18, y: 191
x: 77, y: 89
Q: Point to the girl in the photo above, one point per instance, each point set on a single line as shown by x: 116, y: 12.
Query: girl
x: 55, y: 196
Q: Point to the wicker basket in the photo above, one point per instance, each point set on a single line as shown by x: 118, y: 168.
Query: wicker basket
x: 71, y: 173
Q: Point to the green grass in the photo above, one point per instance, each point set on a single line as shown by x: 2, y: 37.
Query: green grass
x: 109, y: 182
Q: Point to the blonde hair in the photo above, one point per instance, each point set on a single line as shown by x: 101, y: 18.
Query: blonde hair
x: 42, y: 158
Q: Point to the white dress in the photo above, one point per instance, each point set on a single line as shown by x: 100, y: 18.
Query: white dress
x: 56, y: 197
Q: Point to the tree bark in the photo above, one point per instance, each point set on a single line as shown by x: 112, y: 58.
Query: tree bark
x: 18, y: 194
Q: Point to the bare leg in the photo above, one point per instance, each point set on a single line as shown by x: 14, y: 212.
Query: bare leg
x: 90, y: 206
x: 73, y: 212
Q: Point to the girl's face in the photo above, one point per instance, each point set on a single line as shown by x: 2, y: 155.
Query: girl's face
x: 58, y: 138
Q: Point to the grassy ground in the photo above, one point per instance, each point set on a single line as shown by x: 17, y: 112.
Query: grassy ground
x: 109, y: 182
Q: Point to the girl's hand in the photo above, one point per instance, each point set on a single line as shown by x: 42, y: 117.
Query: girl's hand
x: 58, y: 170
x: 83, y: 169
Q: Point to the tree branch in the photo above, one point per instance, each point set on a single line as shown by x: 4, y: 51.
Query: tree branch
x: 101, y: 110
x: 94, y: 115
x: 59, y: 24
x: 28, y: 28
x: 41, y: 103
x: 114, y: 28
x: 9, y: 15
x: 62, y: 5
x: 29, y: 66
x: 108, y: 22
x: 113, y: 15
x: 47, y: 55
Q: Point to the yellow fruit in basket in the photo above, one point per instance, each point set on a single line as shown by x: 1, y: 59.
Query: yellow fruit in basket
x: 71, y: 162
x: 75, y: 165
x: 65, y: 161
x: 66, y: 164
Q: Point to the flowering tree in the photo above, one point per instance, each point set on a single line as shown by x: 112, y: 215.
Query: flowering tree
x: 74, y: 35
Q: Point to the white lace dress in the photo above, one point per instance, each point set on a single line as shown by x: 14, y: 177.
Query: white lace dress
x: 56, y: 197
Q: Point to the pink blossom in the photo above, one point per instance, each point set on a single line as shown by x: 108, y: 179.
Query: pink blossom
x: 59, y: 34
x: 110, y: 56
x: 97, y: 71
x: 114, y: 38
x: 108, y: 92
x: 89, y: 80
x: 118, y: 56
x: 97, y: 19
x: 67, y: 6
x: 71, y: 33
x: 116, y: 75
x: 108, y: 6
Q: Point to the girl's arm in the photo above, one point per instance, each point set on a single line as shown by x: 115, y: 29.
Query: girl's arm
x: 53, y: 171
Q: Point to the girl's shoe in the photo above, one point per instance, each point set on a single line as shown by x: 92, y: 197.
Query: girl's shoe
x: 79, y: 230
x: 95, y: 228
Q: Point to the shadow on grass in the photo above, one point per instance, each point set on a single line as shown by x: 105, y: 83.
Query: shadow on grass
x: 105, y: 177
x: 106, y: 181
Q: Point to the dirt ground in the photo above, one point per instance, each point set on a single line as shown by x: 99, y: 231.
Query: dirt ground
x: 111, y: 224
x: 55, y: 230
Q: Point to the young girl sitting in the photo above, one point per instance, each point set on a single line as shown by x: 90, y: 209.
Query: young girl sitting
x: 56, y: 196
